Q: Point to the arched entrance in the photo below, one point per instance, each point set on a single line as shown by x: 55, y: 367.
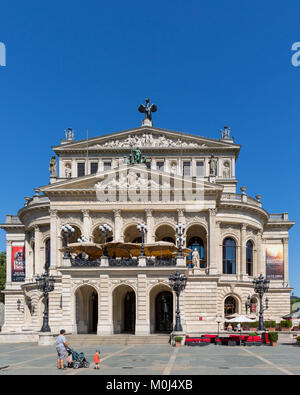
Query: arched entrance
x: 161, y: 309
x: 230, y: 306
x: 124, y: 309
x: 86, y: 309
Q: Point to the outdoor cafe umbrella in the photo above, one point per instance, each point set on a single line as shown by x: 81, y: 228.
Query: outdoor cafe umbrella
x: 93, y: 250
x: 240, y: 318
x: 160, y: 248
x: 118, y: 249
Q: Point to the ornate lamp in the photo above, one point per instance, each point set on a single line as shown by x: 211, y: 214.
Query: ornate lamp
x: 82, y: 239
x: 68, y: 230
x: 180, y: 229
x: 142, y: 228
x: 45, y: 284
x: 105, y: 229
x: 261, y: 286
x: 177, y: 283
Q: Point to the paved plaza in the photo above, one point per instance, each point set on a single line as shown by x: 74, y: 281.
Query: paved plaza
x: 31, y: 359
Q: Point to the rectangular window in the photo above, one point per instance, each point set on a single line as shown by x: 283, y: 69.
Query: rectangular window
x: 148, y: 165
x: 160, y: 166
x: 94, y: 167
x: 80, y: 169
x: 186, y: 168
x: 200, y: 169
x: 107, y: 166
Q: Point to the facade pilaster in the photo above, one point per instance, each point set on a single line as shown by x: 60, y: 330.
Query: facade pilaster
x: 105, y: 323
x: 142, y: 326
x: 68, y: 316
x: 39, y: 261
x: 213, y: 268
x: 28, y: 258
x: 54, y: 239
x: 243, y: 269
x: 8, y: 261
x: 118, y: 225
x: 150, y: 225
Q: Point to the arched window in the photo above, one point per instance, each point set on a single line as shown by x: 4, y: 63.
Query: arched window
x: 47, y: 254
x: 196, y: 242
x: 229, y: 256
x: 249, y: 258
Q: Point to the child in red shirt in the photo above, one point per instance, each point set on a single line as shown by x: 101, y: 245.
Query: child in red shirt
x: 97, y: 359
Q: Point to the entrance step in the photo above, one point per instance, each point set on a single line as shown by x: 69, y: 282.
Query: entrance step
x: 122, y: 339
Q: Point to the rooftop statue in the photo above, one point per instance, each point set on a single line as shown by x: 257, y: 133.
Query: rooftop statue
x: 148, y: 109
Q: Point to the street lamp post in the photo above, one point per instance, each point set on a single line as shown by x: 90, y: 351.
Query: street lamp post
x: 142, y: 228
x: 261, y: 285
x: 105, y: 229
x: 68, y: 230
x: 45, y: 284
x: 180, y: 229
x: 177, y: 283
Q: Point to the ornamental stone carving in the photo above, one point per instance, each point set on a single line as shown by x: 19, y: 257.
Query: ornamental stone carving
x: 148, y: 140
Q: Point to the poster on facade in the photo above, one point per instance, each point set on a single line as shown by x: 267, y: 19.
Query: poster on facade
x: 274, y: 262
x: 18, y: 263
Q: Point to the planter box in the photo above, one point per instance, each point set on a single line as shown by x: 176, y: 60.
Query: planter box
x: 274, y: 344
x: 285, y: 329
x: 271, y: 329
x: 177, y: 344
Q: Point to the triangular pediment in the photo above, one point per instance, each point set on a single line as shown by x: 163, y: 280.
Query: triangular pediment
x: 145, y: 137
x: 133, y: 179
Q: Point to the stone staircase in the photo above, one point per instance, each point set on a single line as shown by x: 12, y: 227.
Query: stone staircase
x: 122, y: 339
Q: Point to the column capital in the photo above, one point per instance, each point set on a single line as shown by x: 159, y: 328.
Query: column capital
x: 243, y: 226
x: 9, y: 242
x: 212, y: 211
x: 149, y: 212
x: 85, y: 212
x: 117, y: 212
x: 180, y: 212
x: 285, y: 240
x: 53, y: 213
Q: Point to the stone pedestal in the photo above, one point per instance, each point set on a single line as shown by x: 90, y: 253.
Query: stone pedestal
x: 142, y: 262
x: 180, y: 262
x: 104, y: 261
x: 46, y: 339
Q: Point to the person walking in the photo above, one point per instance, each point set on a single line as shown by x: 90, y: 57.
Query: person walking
x: 61, y: 345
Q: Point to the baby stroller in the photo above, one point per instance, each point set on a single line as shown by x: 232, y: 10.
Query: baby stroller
x: 77, y: 360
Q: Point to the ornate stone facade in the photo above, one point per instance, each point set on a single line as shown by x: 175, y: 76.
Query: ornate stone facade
x: 94, y: 186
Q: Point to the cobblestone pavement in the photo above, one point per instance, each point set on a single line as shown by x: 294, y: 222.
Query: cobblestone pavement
x: 29, y: 358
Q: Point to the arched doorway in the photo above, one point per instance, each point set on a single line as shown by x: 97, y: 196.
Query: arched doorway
x: 230, y: 306
x: 161, y: 309
x: 86, y: 309
x: 124, y: 309
x: 164, y: 312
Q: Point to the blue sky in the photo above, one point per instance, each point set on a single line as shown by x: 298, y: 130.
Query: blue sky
x: 89, y: 64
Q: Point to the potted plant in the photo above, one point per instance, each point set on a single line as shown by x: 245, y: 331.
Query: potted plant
x: 273, y: 337
x: 286, y: 325
x: 178, y: 340
x: 270, y: 325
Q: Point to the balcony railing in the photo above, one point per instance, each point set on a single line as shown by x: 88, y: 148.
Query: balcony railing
x: 278, y: 217
x: 121, y: 262
x: 80, y: 262
x: 237, y: 197
x: 161, y: 262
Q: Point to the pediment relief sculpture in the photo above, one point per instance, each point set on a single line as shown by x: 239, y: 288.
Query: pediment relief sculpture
x: 147, y: 140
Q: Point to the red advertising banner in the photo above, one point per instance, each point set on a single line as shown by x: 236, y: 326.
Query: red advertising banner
x: 274, y: 262
x: 18, y: 263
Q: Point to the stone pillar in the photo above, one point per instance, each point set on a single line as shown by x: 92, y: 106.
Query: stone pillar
x: 213, y: 268
x: 150, y: 236
x: 105, y: 322
x: 142, y: 325
x: 28, y: 258
x: 118, y: 225
x: 68, y: 311
x: 86, y: 223
x: 54, y: 240
x: 243, y: 256
x: 260, y: 262
x: 39, y: 259
x: 285, y: 242
x: 219, y: 248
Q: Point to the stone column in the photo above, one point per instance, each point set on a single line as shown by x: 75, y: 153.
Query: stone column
x: 285, y: 242
x: 142, y: 325
x: 213, y: 268
x: 39, y: 260
x: 86, y: 223
x: 118, y: 225
x: 260, y: 262
x: 219, y: 248
x: 243, y: 256
x: 28, y: 258
x: 105, y: 322
x: 54, y: 240
x: 150, y: 236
